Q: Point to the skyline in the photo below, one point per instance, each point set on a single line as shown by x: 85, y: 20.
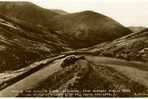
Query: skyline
x: 128, y: 13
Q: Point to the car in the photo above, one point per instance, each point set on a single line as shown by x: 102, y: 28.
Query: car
x: 71, y: 60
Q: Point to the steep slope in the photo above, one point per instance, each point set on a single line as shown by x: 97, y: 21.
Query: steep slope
x: 88, y: 74
x: 27, y: 11
x: 88, y: 28
x: 82, y: 29
x: 22, y: 43
x: 131, y: 47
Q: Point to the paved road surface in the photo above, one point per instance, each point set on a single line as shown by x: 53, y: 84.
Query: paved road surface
x: 126, y: 67
x: 32, y: 80
x: 136, y: 71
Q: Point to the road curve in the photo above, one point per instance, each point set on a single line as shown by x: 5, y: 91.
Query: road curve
x: 32, y: 80
x: 136, y: 71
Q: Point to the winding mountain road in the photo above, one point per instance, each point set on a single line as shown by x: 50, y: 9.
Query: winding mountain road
x: 136, y: 71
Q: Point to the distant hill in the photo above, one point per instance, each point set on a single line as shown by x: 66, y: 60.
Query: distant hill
x: 30, y: 33
x: 88, y: 28
x: 137, y: 28
x: 71, y: 52
x: 58, y: 11
x: 82, y: 29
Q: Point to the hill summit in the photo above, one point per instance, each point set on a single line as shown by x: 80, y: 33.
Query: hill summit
x: 82, y: 29
x: 88, y: 28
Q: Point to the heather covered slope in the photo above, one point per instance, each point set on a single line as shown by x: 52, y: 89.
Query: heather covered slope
x: 22, y: 43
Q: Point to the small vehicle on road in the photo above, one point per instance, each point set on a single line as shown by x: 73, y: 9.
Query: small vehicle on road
x: 71, y: 60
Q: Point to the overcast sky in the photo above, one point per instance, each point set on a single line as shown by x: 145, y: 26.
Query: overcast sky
x: 127, y: 12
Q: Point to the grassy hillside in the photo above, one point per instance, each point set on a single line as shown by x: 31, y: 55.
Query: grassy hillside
x: 22, y: 43
x: 27, y: 11
x: 29, y: 33
x: 81, y: 29
x: 130, y: 47
x: 88, y: 28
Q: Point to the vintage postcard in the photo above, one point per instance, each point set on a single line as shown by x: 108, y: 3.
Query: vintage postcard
x: 73, y: 48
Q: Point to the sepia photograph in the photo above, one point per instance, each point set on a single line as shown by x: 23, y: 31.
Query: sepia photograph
x: 74, y: 48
